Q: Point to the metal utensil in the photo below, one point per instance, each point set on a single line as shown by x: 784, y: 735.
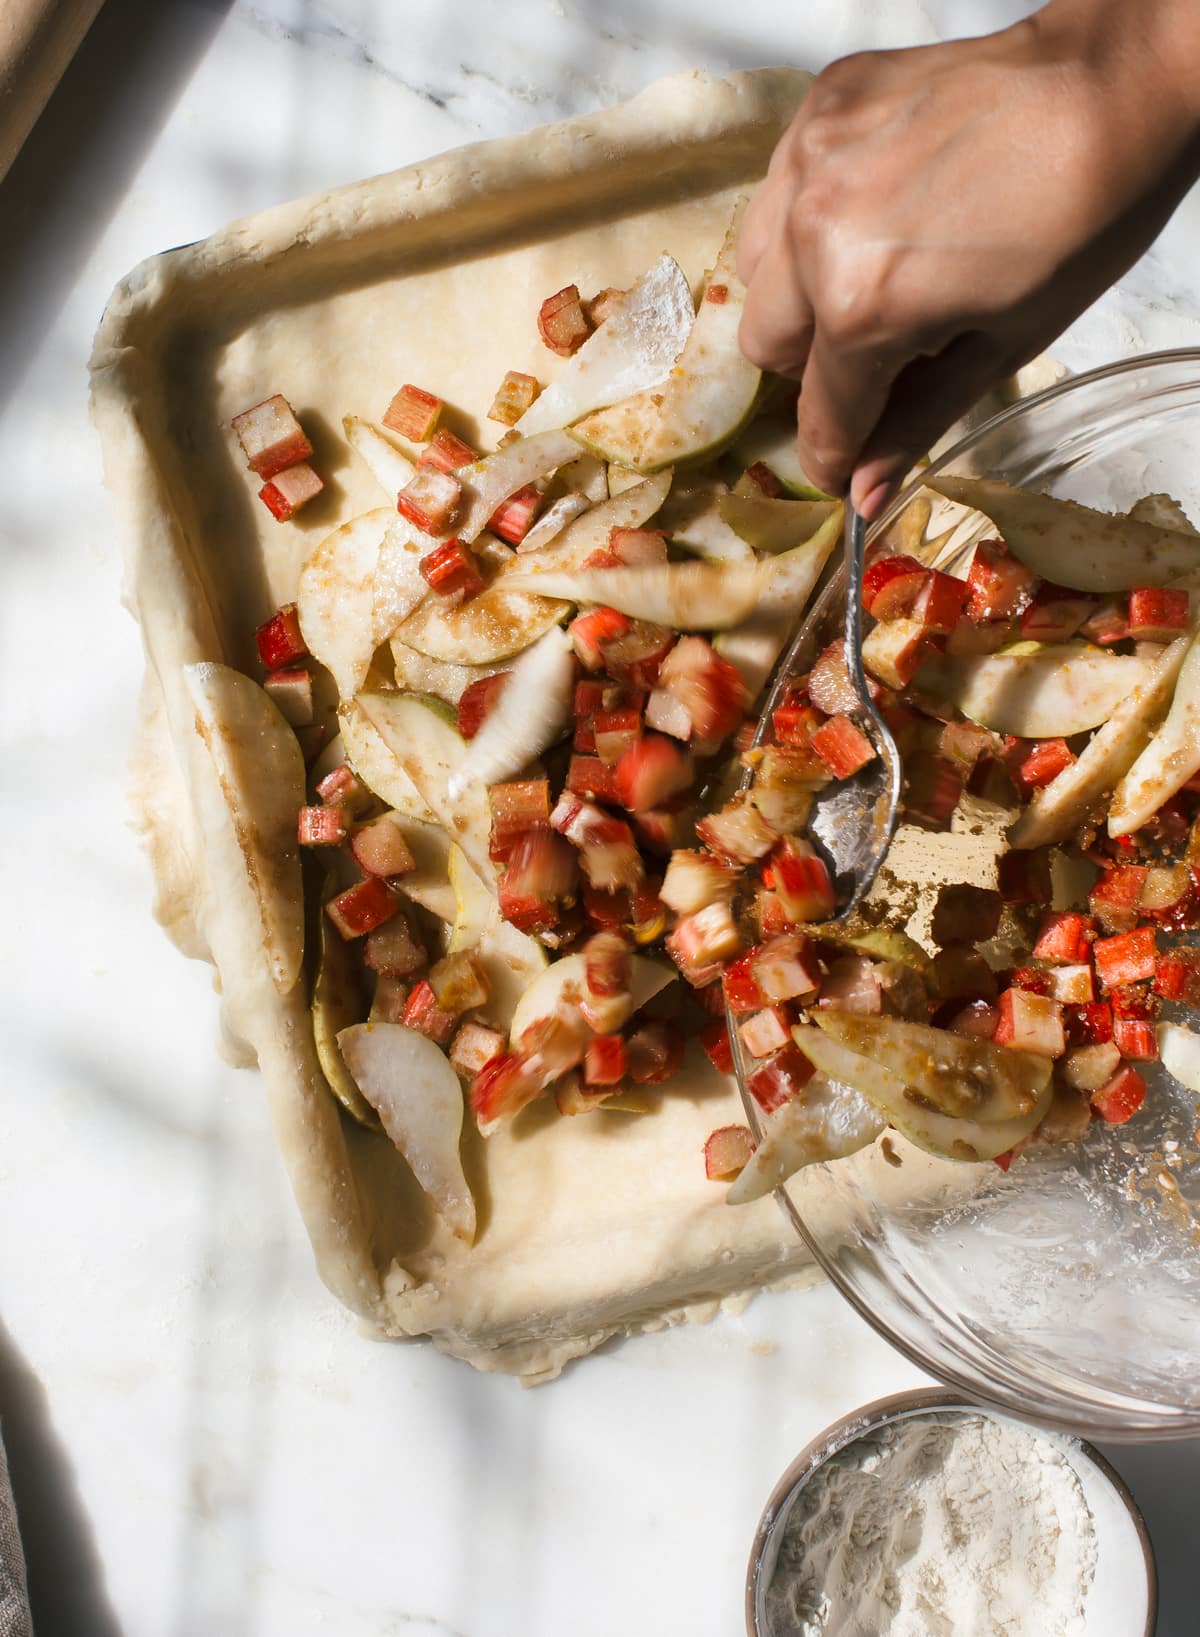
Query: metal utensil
x: 855, y: 819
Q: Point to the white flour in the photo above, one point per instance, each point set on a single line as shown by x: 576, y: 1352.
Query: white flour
x: 937, y: 1526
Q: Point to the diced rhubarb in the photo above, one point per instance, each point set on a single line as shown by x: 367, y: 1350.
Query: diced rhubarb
x: 389, y: 1000
x: 1136, y: 1000
x: 738, y: 832
x: 477, y: 702
x: 653, y: 1052
x: 1157, y: 614
x: 1168, y: 894
x: 965, y: 914
x: 709, y: 687
x: 779, y: 1079
x: 543, y: 865
x: 853, y: 984
x: 1065, y: 937
x: 515, y: 394
x: 279, y: 639
x: 1024, y: 877
x: 589, y: 776
x: 763, y: 479
x: 503, y: 1087
x: 638, y: 548
x: 1090, y: 1025
x: 459, y: 982
x: 1055, y: 614
x: 1127, y: 958
x: 881, y: 574
x: 608, y: 964
x: 474, y: 1046
x: 1116, y: 898
x: 637, y: 655
x: 1107, y: 625
x: 609, y: 856
x: 379, y: 847
x: 1087, y: 1068
x: 430, y: 500
x: 651, y: 771
x: 285, y: 493
x: 342, y: 787
x: 526, y: 910
x: 842, y: 746
x: 1000, y: 587
x: 1073, y: 985
x: 561, y: 321
x: 605, y: 908
x: 512, y: 517
x: 648, y: 914
x: 694, y: 880
x: 894, y: 652
x: 413, y: 413
x: 450, y: 570
x: 1043, y: 761
x: 1035, y: 980
x: 932, y: 789
x: 714, y: 1037
x: 271, y: 437
x: 615, y: 731
x: 939, y: 602
x: 446, y: 452
x: 795, y: 724
x: 394, y: 951
x: 1174, y: 978
x: 770, y: 917
x: 765, y: 1032
x: 785, y: 968
x: 362, y: 908
x: 517, y: 808
x: 667, y: 714
x: 727, y: 1151
x: 829, y: 686
x: 1030, y: 1023
x: 291, y: 693
x: 321, y: 826
x: 1135, y: 1038
x: 971, y: 637
x: 591, y: 632
x: 701, y: 943
x: 604, y: 1062
x: 1120, y: 1098
x: 740, y: 985
x: 802, y: 880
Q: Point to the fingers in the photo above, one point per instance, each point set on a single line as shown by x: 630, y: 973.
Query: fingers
x: 842, y: 397
x: 777, y: 324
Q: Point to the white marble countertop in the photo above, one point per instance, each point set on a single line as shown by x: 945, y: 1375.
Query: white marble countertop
x: 200, y: 1443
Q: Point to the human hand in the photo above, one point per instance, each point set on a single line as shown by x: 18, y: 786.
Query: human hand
x: 934, y: 218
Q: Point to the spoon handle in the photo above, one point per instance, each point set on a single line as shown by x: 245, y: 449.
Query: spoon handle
x: 855, y: 540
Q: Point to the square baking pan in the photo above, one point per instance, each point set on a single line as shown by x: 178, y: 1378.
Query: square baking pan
x: 588, y: 1226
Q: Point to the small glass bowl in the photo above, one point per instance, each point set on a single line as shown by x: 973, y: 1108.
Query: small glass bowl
x: 1121, y: 1531
x: 1066, y: 1291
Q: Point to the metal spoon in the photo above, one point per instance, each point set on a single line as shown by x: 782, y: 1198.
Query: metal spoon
x: 852, y: 821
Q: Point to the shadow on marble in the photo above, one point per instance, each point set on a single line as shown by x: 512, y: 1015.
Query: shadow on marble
x: 78, y: 162
x: 67, y: 1594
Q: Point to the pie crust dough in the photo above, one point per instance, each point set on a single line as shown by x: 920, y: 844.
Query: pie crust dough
x: 589, y: 1226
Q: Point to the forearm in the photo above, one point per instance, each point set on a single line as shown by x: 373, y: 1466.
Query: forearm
x: 1147, y: 51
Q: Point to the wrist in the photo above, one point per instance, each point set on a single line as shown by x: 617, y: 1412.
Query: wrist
x: 1148, y: 51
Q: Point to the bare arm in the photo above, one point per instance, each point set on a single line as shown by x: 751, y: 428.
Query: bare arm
x: 933, y: 218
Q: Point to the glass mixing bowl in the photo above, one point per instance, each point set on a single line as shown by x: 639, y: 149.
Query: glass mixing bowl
x: 1068, y: 1289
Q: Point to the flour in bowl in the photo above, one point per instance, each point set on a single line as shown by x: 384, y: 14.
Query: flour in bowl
x: 936, y: 1526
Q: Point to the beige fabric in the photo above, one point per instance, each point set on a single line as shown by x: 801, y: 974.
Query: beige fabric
x: 591, y: 1225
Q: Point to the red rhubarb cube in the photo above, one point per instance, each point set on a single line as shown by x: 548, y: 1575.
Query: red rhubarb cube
x: 779, y: 1079
x: 1043, y: 761
x: 1030, y: 1023
x: 650, y: 772
x: 591, y: 632
x: 604, y: 1062
x: 561, y: 321
x: 287, y: 491
x: 279, y: 639
x: 884, y: 572
x: 740, y: 985
x: 515, y: 394
x: 1135, y: 1038
x: 1157, y: 614
x: 413, y: 413
x: 939, y: 602
x: 321, y: 826
x: 1065, y: 938
x: 379, y: 848
x: 802, y: 881
x: 271, y: 437
x: 446, y: 452
x: 1120, y: 1098
x: 1127, y: 958
x: 430, y: 500
x: 727, y: 1151
x: 714, y: 1037
x: 362, y: 908
x: 477, y: 702
x: 842, y: 746
x: 1055, y: 614
x: 512, y: 517
x: 450, y: 570
x: 999, y: 587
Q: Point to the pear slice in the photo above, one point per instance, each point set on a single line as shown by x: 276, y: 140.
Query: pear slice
x: 335, y: 598
x: 1163, y: 511
x: 1073, y: 545
x: 533, y: 708
x: 771, y: 439
x: 512, y: 962
x: 408, y: 1080
x: 704, y: 401
x: 417, y: 673
x: 339, y: 1002
x: 631, y: 509
x: 1170, y: 759
x: 399, y: 586
x: 489, y: 482
x: 1179, y: 1049
x: 422, y: 735
x: 259, y: 772
x: 775, y: 525
x: 755, y: 645
x: 1048, y: 693
x: 691, y: 515
x: 631, y: 351
x: 377, y: 766
x: 554, y: 520
x: 962, y: 1077
x: 688, y: 596
x: 1062, y: 805
x: 388, y: 465
x: 473, y: 903
x: 949, y: 1137
x: 825, y: 1122
x: 562, y: 983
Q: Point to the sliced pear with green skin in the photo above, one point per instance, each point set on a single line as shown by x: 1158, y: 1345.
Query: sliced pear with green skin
x: 825, y: 1122
x: 1073, y: 545
x: 335, y: 598
x: 417, y: 673
x: 1162, y: 511
x: 1170, y: 759
x: 399, y: 585
x: 884, y: 943
x: 706, y: 399
x: 512, y: 962
x: 376, y: 765
x: 692, y: 518
x: 562, y: 983
x: 792, y: 576
x: 489, y: 482
x: 631, y: 509
x: 755, y: 645
x: 474, y: 904
x: 947, y: 1136
x: 532, y: 708
x: 1054, y: 692
x: 554, y: 520
x: 775, y: 525
x: 688, y: 596
x: 1060, y: 807
x: 772, y: 440
x: 388, y: 465
x: 962, y: 1077
x: 260, y: 772
x: 631, y: 351
x: 422, y: 735
x: 409, y: 1082
x: 338, y: 1003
